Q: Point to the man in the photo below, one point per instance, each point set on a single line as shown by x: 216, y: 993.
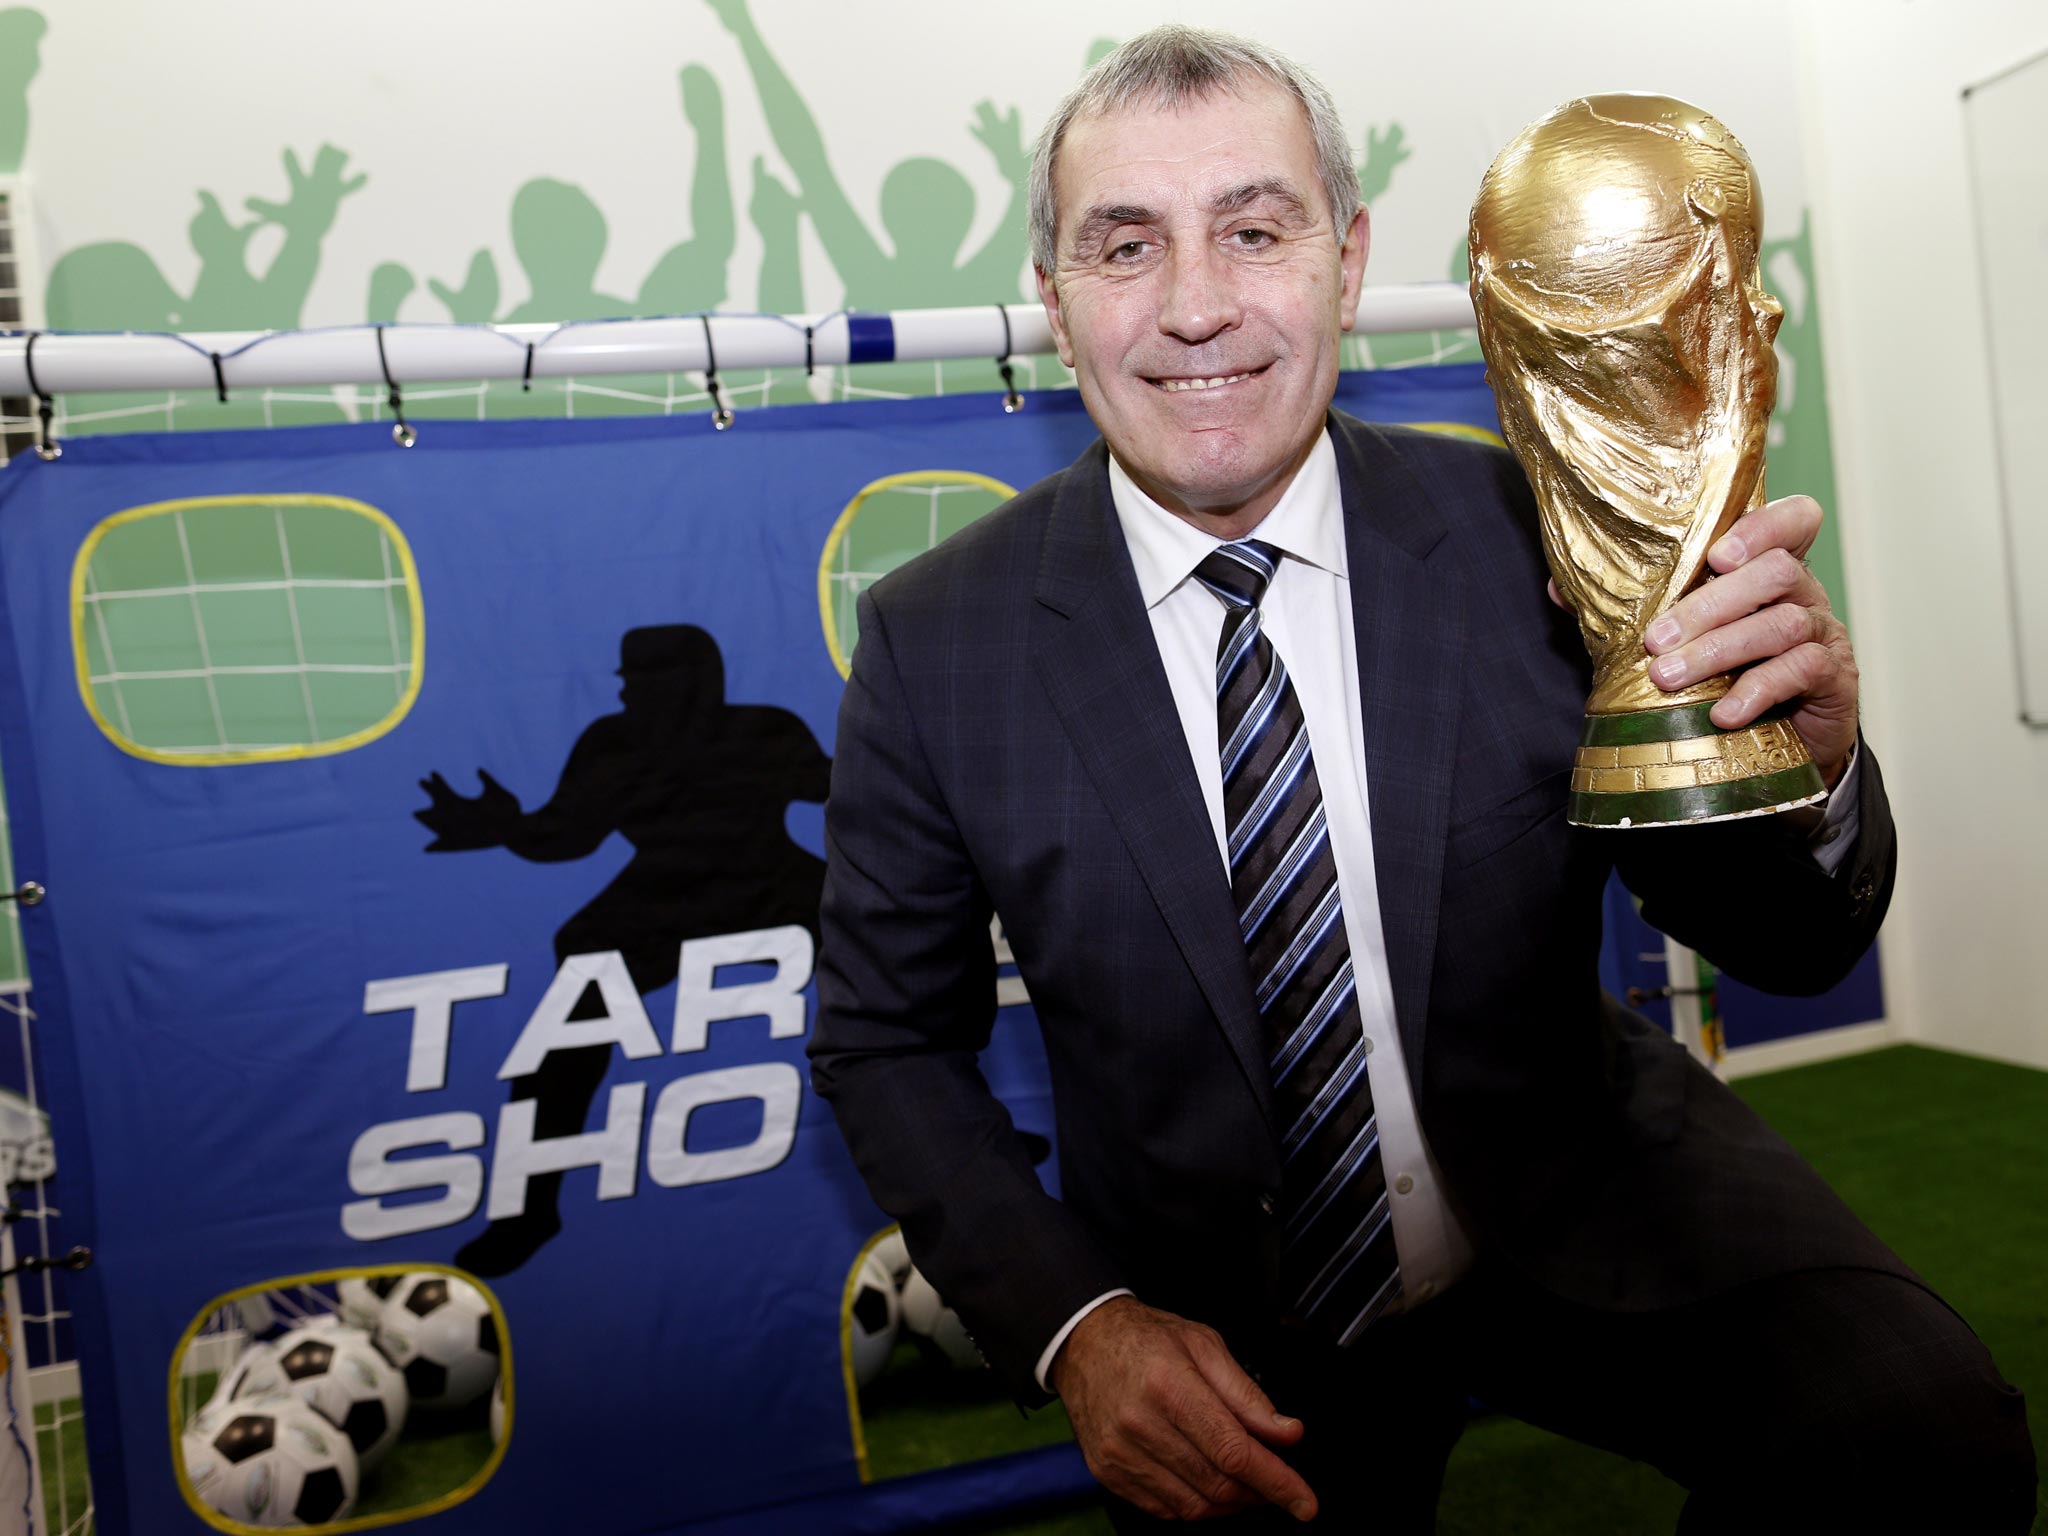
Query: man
x: 1255, y: 725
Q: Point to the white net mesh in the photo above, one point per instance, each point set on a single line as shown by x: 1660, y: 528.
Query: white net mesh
x: 575, y: 398
x: 246, y: 625
x: 887, y: 523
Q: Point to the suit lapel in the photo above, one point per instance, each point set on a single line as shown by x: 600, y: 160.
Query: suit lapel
x: 1094, y: 651
x: 1408, y: 614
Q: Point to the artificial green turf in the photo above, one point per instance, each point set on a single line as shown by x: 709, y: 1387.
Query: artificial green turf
x: 1945, y: 1156
x: 66, y: 1494
x: 921, y: 1413
x: 436, y: 1454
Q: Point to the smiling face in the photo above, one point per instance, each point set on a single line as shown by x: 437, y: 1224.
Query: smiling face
x: 1199, y: 296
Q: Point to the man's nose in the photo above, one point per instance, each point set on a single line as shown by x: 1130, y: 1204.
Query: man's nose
x: 1199, y: 296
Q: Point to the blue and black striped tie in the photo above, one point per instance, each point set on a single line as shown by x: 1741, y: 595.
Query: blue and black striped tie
x: 1340, y: 1270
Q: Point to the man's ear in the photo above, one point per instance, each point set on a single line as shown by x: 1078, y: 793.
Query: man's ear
x: 1049, y: 296
x: 1357, y: 241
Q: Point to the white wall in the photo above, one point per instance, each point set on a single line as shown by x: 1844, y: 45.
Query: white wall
x: 1966, y: 946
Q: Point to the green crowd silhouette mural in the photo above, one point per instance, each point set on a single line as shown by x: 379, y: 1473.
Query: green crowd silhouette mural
x: 927, y: 206
x: 916, y: 253
x: 927, y: 209
x: 21, y: 37
x: 559, y: 236
x: 114, y: 285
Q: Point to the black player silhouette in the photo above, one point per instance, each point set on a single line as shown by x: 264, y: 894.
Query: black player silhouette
x: 699, y: 787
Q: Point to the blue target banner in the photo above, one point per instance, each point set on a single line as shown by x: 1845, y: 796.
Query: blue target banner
x: 433, y: 841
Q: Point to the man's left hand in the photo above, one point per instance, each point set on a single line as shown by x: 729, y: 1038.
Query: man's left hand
x: 1765, y: 613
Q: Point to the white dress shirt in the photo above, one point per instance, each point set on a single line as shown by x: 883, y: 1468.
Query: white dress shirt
x: 1306, y: 613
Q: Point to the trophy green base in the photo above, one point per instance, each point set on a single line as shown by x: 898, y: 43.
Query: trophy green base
x: 1675, y: 767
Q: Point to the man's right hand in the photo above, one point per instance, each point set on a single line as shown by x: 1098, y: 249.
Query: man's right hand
x: 1169, y: 1421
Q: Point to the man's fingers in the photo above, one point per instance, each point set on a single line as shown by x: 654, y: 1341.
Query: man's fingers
x: 1193, y: 1468
x: 1141, y: 1455
x: 1136, y: 1476
x: 1805, y: 670
x: 1790, y: 523
x: 1769, y: 632
x: 1213, y: 1426
x: 1167, y: 1419
x: 1772, y: 577
x: 1240, y: 1394
x: 1242, y: 1460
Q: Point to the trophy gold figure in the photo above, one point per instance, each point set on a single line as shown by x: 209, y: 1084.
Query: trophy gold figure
x: 1628, y: 341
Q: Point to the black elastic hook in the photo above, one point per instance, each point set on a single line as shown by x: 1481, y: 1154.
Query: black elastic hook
x: 526, y: 378
x: 46, y: 450
x: 220, y: 379
x: 77, y: 1258
x: 1013, y: 402
x: 721, y: 416
x: 401, y: 432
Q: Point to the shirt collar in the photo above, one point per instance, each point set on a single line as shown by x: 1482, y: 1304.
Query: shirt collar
x: 1307, y: 523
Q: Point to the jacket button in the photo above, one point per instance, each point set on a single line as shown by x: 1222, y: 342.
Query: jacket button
x: 1265, y: 1205
x: 1864, y: 891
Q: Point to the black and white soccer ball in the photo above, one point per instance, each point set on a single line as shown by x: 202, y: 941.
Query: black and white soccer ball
x: 256, y: 1356
x: 362, y: 1299
x: 257, y: 1361
x: 498, y: 1410
x: 439, y: 1331
x: 337, y: 1371
x: 874, y: 1319
x: 927, y: 1317
x: 893, y: 1254
x: 269, y: 1462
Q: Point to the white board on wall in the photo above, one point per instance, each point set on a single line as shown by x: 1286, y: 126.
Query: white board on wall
x: 2006, y: 118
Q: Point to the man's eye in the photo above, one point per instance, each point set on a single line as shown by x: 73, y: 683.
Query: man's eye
x: 1128, y: 250
x: 1252, y: 239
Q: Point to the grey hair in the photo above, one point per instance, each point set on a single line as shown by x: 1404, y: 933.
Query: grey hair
x: 1173, y: 64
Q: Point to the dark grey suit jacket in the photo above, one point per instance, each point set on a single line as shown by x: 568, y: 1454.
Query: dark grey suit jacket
x: 1008, y: 740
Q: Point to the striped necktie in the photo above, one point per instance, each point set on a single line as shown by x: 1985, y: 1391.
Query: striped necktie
x: 1339, y: 1271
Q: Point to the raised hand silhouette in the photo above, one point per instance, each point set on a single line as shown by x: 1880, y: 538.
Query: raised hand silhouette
x: 1003, y: 136
x: 1385, y: 149
x: 692, y: 275
x: 476, y: 301
x: 227, y: 296
x: 460, y: 823
x: 315, y: 197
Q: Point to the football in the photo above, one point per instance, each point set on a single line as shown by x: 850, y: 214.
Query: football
x: 255, y: 1356
x: 498, y: 1410
x: 336, y: 1370
x: 271, y: 1462
x: 927, y: 1317
x: 440, y: 1332
x: 893, y: 1254
x: 362, y: 1299
x: 873, y: 1320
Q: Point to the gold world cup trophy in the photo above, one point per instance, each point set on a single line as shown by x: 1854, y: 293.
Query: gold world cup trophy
x: 1628, y: 341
